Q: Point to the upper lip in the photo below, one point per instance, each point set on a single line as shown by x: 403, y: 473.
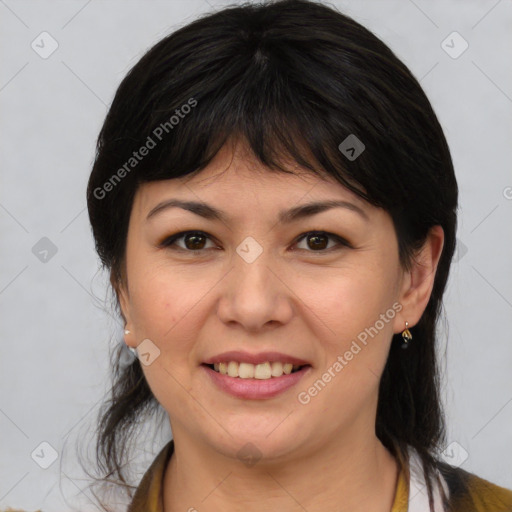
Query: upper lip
x: 260, y: 357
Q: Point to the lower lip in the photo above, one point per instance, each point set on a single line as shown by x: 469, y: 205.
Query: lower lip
x: 255, y: 389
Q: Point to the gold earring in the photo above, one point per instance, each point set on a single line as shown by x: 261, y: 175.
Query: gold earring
x: 406, y: 336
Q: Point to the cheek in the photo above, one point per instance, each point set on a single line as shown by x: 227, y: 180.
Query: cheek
x: 167, y: 306
x: 346, y: 307
x: 156, y: 303
x: 346, y: 301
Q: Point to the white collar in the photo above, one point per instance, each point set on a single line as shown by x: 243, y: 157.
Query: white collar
x: 418, y: 497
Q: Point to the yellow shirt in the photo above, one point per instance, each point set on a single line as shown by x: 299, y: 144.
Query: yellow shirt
x: 483, y: 496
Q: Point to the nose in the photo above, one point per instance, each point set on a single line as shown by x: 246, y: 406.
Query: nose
x: 254, y: 296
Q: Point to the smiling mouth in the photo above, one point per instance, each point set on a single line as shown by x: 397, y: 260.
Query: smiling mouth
x: 262, y: 371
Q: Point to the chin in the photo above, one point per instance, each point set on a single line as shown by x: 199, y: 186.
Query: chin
x: 251, y: 445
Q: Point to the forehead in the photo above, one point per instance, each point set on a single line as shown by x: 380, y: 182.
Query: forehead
x: 235, y: 177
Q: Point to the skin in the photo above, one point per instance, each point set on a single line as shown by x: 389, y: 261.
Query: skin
x: 294, y: 298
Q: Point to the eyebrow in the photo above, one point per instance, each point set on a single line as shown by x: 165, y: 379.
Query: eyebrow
x: 285, y: 216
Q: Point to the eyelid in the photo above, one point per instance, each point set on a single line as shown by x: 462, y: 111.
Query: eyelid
x: 169, y: 241
x: 339, y: 239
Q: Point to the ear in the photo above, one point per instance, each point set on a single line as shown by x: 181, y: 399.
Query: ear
x: 121, y: 290
x: 418, y: 281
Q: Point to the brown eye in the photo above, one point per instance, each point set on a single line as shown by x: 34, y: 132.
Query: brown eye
x: 195, y: 241
x: 318, y: 241
x: 192, y: 241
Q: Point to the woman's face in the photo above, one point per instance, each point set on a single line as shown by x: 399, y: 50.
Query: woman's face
x: 252, y: 282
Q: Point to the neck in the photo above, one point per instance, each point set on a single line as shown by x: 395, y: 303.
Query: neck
x: 355, y: 476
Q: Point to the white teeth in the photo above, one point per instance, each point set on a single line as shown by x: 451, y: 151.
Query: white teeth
x: 246, y: 371
x: 233, y: 369
x: 277, y: 369
x: 262, y: 371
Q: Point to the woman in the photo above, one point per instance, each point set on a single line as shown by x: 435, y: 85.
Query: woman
x: 276, y: 204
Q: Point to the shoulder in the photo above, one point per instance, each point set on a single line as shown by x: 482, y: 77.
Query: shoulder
x: 470, y: 493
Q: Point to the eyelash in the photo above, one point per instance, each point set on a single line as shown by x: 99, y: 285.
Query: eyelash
x: 170, y: 241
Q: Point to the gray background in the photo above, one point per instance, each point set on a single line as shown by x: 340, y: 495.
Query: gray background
x: 55, y: 330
